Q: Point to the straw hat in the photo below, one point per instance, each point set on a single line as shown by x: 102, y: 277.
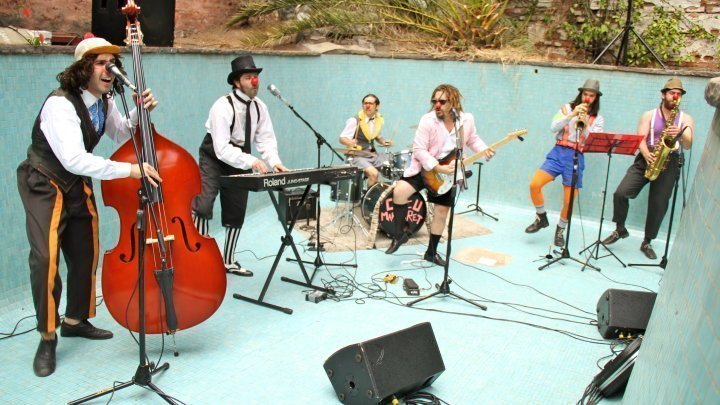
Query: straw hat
x: 94, y: 46
x: 673, y: 84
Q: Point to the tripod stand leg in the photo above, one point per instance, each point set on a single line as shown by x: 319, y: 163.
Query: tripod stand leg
x: 134, y: 381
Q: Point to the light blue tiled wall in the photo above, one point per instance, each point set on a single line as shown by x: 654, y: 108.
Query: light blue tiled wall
x: 326, y: 90
x: 678, y: 360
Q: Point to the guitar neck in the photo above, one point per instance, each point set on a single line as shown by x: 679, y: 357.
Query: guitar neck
x: 470, y: 159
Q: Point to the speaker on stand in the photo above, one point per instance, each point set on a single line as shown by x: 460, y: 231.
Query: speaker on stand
x: 157, y: 21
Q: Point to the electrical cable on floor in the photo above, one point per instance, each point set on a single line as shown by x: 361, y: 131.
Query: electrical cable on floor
x: 423, y: 398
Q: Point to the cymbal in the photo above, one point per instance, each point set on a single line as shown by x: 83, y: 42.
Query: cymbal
x: 354, y: 152
x: 413, y: 127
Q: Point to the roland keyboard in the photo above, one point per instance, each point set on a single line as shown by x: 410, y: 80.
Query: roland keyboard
x: 292, y: 178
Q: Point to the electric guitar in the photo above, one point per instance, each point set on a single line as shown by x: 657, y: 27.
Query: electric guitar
x: 439, y: 183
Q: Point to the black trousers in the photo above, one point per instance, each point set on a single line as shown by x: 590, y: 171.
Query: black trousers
x: 56, y: 221
x: 233, y: 202
x: 658, y: 198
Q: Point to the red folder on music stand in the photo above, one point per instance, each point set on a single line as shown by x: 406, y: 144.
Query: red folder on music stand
x: 601, y: 142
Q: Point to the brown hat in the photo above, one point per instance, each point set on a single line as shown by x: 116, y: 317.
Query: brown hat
x: 673, y: 84
x: 242, y: 64
x: 591, y: 85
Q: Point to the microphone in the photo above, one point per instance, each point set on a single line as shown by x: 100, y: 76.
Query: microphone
x: 454, y: 113
x: 110, y: 67
x: 276, y: 92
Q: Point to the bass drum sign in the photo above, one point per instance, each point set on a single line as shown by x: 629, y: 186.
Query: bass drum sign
x: 415, y: 218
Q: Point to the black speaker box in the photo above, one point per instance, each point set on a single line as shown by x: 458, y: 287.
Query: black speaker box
x: 616, y: 373
x: 157, y: 21
x: 624, y: 311
x: 289, y: 200
x: 397, y: 364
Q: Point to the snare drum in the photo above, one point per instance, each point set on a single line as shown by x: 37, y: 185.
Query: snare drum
x: 349, y: 190
x: 415, y: 218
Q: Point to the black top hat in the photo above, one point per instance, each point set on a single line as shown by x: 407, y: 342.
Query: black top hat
x: 242, y: 64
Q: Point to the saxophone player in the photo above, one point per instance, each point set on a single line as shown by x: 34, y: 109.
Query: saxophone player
x: 660, y: 124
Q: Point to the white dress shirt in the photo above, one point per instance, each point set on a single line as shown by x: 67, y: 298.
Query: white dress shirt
x: 262, y: 133
x: 61, y: 125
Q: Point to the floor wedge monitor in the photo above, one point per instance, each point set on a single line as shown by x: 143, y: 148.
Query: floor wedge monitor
x: 393, y: 365
x: 624, y: 312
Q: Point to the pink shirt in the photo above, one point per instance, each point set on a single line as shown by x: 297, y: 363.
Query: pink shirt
x: 430, y: 137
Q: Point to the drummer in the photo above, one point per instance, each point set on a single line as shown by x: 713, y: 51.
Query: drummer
x: 361, y: 133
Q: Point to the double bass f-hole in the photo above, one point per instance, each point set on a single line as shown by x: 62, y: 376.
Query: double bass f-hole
x: 186, y: 281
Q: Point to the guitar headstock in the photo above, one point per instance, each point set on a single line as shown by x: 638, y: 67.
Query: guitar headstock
x: 518, y: 134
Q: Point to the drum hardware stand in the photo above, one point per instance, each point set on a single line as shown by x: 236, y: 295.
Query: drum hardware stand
x: 349, y: 215
x: 444, y: 287
x: 663, y: 259
x: 476, y: 207
x: 565, y: 253
x: 318, y: 262
x: 146, y: 369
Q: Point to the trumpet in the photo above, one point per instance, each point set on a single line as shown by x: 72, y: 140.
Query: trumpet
x: 582, y: 119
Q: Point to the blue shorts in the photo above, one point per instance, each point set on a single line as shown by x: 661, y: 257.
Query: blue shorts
x: 560, y: 161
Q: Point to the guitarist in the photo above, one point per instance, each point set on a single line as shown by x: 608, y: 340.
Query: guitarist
x: 435, y: 139
x: 559, y: 161
x: 361, y: 132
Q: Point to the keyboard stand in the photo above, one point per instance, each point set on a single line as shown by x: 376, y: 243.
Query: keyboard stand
x: 287, y: 240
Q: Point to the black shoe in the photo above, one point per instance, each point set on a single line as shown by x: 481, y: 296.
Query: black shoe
x: 615, y: 236
x: 540, y: 223
x: 559, y: 238
x: 84, y: 329
x: 44, y: 363
x: 434, y: 259
x: 396, y: 243
x: 238, y: 270
x: 648, y: 250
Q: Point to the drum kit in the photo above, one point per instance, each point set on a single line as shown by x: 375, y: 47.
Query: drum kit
x: 376, y: 203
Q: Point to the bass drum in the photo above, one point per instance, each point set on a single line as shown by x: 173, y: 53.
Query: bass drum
x: 415, y: 218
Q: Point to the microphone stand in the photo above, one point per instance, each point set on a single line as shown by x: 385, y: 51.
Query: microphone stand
x: 444, y: 287
x: 320, y: 140
x: 565, y: 254
x: 145, y: 369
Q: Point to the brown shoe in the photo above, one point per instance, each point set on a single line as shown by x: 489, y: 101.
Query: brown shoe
x: 559, y: 238
x: 615, y: 236
x: 540, y: 222
x: 648, y: 250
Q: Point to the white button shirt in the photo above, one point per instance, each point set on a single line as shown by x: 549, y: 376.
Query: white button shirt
x: 61, y: 125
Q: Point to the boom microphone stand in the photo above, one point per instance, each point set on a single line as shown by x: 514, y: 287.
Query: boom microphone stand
x: 320, y: 140
x: 444, y: 287
x: 146, y: 369
x: 625, y: 32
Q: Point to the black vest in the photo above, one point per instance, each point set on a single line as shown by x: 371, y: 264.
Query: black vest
x: 42, y: 157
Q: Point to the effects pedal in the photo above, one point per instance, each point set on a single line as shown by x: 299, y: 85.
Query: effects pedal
x: 411, y: 287
x: 316, y: 296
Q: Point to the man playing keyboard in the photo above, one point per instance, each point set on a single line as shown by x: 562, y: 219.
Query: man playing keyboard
x: 237, y: 123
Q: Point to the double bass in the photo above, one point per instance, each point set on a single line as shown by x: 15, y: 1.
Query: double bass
x: 184, y: 275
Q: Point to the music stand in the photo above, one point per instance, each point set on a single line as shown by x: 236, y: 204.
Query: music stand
x: 476, y: 207
x: 625, y: 32
x: 602, y: 142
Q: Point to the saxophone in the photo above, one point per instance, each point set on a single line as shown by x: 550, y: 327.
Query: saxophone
x: 665, y: 145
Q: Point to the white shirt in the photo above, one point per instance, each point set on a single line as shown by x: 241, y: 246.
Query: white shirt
x: 61, y: 125
x: 351, y: 127
x: 262, y: 136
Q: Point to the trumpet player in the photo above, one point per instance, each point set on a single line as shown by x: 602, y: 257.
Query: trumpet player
x: 660, y: 126
x: 570, y: 126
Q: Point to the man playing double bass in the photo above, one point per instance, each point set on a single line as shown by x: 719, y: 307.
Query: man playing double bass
x: 436, y: 138
x: 55, y: 185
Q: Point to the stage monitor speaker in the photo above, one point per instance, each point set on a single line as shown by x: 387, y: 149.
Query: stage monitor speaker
x: 624, y: 312
x: 388, y: 366
x: 157, y: 21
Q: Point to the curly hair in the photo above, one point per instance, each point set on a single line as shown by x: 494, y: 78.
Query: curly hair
x: 452, y: 93
x: 75, y: 77
x: 594, y: 107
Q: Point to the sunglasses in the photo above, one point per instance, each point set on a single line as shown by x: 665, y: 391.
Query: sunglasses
x: 442, y: 102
